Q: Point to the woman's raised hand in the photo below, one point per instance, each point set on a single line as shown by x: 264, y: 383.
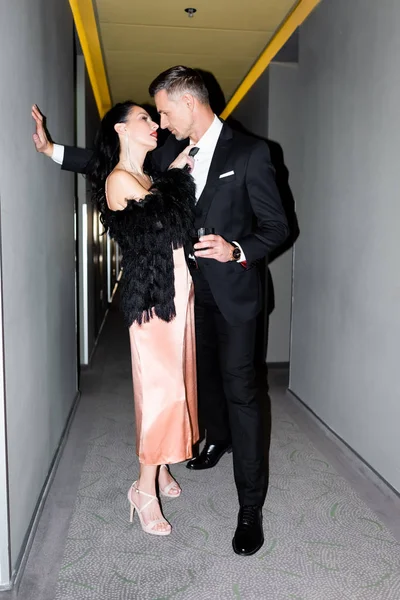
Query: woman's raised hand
x: 183, y: 159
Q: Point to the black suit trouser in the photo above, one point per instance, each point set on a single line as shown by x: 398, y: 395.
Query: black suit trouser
x: 229, y: 408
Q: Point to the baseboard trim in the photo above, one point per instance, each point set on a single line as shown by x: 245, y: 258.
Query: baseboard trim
x: 380, y: 481
x: 277, y: 365
x: 5, y: 588
x: 28, y: 541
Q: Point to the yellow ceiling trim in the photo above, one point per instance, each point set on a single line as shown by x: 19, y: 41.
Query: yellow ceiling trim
x: 86, y: 27
x: 288, y: 27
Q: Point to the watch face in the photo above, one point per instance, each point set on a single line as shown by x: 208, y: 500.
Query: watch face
x: 236, y: 253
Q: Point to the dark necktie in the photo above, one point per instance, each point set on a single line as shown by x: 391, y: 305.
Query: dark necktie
x: 192, y: 153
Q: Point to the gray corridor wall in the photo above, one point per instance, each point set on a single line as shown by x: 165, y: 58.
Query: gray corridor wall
x: 265, y: 111
x: 92, y: 244
x: 346, y: 310
x: 37, y: 245
x: 284, y: 129
x: 97, y: 242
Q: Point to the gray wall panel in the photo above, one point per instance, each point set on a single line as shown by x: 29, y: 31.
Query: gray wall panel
x: 37, y: 204
x: 346, y: 317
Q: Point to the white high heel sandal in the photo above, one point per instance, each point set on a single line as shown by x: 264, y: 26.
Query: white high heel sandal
x: 149, y: 528
x: 173, y: 485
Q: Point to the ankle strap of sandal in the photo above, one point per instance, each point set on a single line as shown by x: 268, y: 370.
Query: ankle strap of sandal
x: 137, y: 491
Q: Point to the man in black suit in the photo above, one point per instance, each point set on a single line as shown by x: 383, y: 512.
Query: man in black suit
x: 238, y: 198
x: 218, y: 103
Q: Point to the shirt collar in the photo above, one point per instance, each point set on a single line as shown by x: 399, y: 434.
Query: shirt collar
x: 209, y: 139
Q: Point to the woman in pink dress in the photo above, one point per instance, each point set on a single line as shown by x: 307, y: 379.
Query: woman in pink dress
x: 151, y: 221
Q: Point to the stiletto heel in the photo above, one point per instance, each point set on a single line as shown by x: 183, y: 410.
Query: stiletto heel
x: 149, y: 528
x: 173, y: 485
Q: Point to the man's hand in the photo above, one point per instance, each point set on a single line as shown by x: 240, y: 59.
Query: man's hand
x: 213, y: 246
x: 40, y: 137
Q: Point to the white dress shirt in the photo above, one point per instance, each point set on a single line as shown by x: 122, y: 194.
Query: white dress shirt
x: 58, y: 154
x: 203, y: 158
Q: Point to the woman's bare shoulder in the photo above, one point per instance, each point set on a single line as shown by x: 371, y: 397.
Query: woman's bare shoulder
x: 122, y: 186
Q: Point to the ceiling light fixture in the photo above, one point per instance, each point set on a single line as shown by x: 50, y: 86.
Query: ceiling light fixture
x: 190, y: 11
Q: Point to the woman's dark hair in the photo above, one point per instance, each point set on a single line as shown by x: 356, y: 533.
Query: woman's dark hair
x: 106, y: 153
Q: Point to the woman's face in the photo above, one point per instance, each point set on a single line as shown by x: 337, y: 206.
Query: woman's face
x: 141, y: 129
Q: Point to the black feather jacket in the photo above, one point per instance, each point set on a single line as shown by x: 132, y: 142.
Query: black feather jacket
x: 146, y: 232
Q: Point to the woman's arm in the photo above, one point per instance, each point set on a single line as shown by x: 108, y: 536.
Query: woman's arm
x: 121, y: 187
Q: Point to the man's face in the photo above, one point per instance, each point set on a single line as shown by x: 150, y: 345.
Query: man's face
x: 175, y: 114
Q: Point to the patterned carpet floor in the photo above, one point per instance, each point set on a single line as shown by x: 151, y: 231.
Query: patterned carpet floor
x: 321, y: 541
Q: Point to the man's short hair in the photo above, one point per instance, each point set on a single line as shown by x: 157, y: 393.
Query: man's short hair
x: 178, y: 81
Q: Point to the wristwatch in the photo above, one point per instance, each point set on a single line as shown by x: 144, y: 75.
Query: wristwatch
x: 236, y: 252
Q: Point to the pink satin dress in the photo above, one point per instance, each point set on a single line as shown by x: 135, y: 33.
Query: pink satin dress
x: 164, y: 378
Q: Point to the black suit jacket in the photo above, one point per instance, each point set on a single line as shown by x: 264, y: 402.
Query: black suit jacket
x: 244, y: 207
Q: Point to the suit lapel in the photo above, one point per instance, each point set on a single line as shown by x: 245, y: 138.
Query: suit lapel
x: 218, y: 160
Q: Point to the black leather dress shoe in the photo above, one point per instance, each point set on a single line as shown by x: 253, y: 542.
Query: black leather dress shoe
x: 208, y: 457
x: 249, y: 535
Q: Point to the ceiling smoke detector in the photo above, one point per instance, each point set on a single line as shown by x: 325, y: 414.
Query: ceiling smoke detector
x: 190, y: 11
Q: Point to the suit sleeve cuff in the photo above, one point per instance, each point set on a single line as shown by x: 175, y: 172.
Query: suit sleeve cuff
x: 242, y: 258
x: 58, y: 154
